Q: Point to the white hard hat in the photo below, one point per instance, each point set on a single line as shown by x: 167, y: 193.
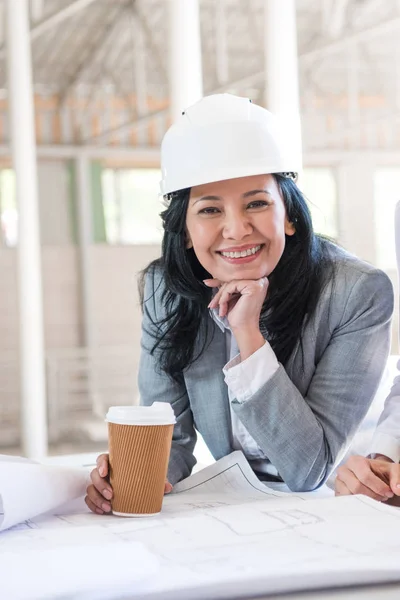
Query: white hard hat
x: 223, y: 137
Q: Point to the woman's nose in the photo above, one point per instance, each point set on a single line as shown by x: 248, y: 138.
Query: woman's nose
x: 237, y: 226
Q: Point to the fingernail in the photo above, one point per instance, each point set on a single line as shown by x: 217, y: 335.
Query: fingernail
x: 398, y: 485
x: 106, y: 507
x: 389, y: 495
x: 107, y: 494
x: 101, y: 471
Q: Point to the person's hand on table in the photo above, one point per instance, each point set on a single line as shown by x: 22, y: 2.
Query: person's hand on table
x: 378, y: 478
x: 99, y: 492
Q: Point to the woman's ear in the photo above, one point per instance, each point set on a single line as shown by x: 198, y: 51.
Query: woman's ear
x: 290, y: 228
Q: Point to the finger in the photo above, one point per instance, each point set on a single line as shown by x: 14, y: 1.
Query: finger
x: 97, y: 499
x: 370, y: 474
x: 212, y: 282
x: 215, y: 300
x: 341, y: 488
x: 225, y: 297
x: 101, y: 484
x: 224, y: 305
x: 168, y: 487
x: 102, y: 465
x: 355, y: 486
x: 93, y: 507
x: 394, y: 478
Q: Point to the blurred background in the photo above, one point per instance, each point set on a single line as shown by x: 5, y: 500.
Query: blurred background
x: 87, y: 90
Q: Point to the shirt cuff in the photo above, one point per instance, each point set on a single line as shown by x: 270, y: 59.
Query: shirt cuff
x: 388, y: 445
x: 245, y: 378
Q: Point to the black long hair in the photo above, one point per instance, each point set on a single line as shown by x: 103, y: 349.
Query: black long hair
x: 295, y: 284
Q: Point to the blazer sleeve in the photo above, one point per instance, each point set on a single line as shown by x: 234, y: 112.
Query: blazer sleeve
x: 156, y: 386
x: 303, y: 436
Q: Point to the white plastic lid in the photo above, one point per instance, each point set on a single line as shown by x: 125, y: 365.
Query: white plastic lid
x: 159, y: 413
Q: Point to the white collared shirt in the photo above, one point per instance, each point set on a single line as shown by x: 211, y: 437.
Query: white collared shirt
x: 244, y: 379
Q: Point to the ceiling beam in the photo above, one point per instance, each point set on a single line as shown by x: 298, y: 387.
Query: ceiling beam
x: 92, y: 51
x: 326, y: 11
x: 258, y: 76
x: 149, y: 39
x: 387, y: 27
x: 127, y: 126
x: 55, y: 19
x: 337, y: 18
x: 244, y: 82
x: 355, y: 129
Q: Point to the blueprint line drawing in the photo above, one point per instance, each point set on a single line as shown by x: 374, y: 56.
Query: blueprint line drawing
x: 220, y: 534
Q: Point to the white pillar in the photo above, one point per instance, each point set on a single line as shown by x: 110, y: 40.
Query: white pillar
x: 32, y: 360
x: 221, y: 43
x: 185, y: 70
x: 353, y: 95
x: 281, y: 61
x: 85, y: 236
x: 2, y: 24
x: 140, y: 78
x: 37, y: 9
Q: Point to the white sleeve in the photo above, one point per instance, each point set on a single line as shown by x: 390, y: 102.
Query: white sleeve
x: 386, y: 439
x: 245, y: 378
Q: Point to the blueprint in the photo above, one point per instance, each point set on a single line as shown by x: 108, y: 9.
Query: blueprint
x: 28, y: 488
x: 221, y: 534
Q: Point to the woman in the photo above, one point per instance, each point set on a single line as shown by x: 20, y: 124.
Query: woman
x: 262, y: 335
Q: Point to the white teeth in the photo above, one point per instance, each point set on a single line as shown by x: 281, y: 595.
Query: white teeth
x: 241, y: 254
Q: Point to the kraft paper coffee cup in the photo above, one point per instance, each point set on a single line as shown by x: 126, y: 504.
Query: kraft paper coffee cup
x: 139, y: 442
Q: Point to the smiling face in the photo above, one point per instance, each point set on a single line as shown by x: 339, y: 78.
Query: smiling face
x: 237, y: 227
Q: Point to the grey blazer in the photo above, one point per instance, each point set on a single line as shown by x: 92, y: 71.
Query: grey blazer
x: 304, y: 417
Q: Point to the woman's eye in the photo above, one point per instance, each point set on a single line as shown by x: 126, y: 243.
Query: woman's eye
x: 258, y: 204
x: 210, y: 210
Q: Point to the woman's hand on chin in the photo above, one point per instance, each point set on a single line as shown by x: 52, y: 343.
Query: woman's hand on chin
x: 241, y: 302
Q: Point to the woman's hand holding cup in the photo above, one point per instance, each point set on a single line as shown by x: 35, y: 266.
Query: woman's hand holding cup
x: 99, y: 492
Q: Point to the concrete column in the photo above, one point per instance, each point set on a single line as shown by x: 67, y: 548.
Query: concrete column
x: 221, y: 42
x: 185, y: 70
x: 37, y: 10
x: 353, y: 95
x: 32, y: 359
x: 281, y: 62
x: 85, y: 237
x: 140, y: 77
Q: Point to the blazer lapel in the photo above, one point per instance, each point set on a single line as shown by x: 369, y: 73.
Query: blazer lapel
x: 208, y: 393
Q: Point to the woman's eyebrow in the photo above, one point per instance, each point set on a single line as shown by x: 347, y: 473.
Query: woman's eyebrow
x: 207, y: 198
x: 255, y: 192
